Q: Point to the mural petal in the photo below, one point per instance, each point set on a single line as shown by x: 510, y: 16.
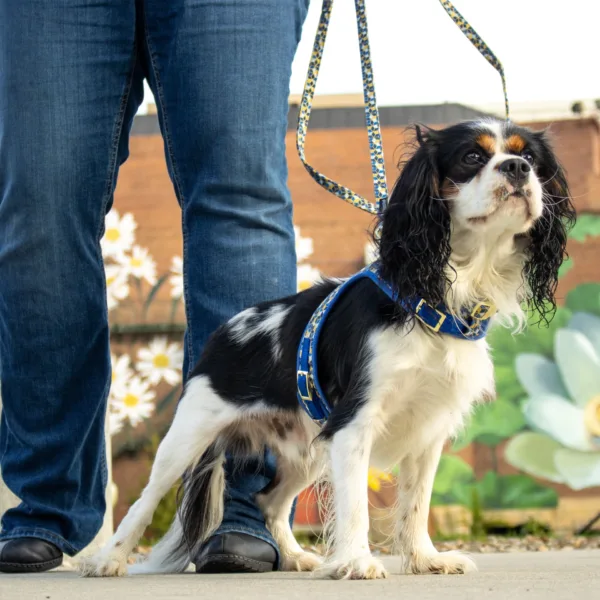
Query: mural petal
x: 539, y: 375
x: 580, y: 470
x: 579, y: 365
x: 561, y: 420
x: 589, y: 325
x: 533, y: 453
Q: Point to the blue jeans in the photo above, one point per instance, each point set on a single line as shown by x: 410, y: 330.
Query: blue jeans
x: 71, y: 74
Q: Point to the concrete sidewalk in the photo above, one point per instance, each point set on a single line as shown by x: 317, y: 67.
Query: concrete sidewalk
x: 520, y: 576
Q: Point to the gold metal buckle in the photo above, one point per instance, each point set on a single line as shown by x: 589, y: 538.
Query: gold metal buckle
x: 442, y: 316
x: 307, y: 398
x: 489, y: 310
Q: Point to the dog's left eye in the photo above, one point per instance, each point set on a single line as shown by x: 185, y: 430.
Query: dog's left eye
x: 528, y: 157
x: 473, y: 158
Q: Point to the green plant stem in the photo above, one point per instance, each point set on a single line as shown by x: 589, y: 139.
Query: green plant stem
x: 494, y: 451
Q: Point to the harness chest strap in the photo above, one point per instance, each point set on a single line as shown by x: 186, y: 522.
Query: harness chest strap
x: 472, y: 325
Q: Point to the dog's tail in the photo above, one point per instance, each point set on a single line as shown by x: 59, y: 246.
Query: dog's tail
x: 199, y: 514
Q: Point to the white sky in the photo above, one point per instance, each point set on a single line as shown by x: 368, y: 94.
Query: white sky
x: 550, y: 50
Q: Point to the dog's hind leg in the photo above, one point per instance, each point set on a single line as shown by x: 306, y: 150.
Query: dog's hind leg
x: 200, y: 417
x: 276, y: 504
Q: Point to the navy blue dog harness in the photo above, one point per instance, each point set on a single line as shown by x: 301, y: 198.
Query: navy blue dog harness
x: 472, y: 325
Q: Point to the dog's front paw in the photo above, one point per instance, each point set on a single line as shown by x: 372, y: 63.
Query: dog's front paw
x: 361, y: 567
x: 441, y: 563
x: 102, y: 565
x: 302, y: 561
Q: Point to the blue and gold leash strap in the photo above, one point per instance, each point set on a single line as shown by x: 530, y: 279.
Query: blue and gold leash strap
x: 371, y: 114
x: 478, y: 42
x: 371, y: 111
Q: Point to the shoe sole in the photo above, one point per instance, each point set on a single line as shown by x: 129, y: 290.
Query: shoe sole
x: 232, y: 563
x: 7, y: 567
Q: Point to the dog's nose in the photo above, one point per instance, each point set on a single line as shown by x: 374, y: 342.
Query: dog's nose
x: 516, y: 170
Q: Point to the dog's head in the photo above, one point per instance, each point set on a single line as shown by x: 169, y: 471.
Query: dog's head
x: 471, y: 186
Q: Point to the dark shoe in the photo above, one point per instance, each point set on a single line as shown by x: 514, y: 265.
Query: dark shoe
x: 28, y: 555
x: 235, y: 553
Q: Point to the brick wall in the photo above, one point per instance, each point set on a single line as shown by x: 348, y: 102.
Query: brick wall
x: 339, y: 231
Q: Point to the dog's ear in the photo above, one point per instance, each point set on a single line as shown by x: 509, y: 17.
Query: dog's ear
x: 548, y: 237
x: 414, y: 246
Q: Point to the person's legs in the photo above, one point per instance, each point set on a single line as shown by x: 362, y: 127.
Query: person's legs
x: 69, y: 88
x: 220, y: 72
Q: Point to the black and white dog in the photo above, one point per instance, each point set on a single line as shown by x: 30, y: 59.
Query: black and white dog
x: 480, y: 212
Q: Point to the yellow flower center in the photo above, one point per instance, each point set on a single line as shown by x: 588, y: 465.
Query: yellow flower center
x: 110, y: 280
x: 136, y: 262
x: 161, y: 361
x: 131, y: 400
x: 592, y: 416
x: 112, y: 235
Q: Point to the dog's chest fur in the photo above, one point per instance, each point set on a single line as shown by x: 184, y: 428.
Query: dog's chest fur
x: 423, y: 386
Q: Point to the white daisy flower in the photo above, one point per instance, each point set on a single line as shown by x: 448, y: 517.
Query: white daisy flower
x: 307, y: 276
x: 176, y: 278
x: 563, y: 408
x: 121, y: 372
x: 139, y: 264
x: 115, y: 422
x: 119, y: 234
x: 161, y: 361
x: 134, y: 401
x: 117, y: 288
x: 304, y: 246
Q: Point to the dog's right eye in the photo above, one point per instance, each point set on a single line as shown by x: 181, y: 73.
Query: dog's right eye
x: 473, y: 158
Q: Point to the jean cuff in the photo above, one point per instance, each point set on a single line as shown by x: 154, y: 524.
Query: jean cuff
x: 261, y: 534
x: 40, y: 534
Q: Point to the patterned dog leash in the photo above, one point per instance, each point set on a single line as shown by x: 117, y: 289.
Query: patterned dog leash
x: 371, y: 111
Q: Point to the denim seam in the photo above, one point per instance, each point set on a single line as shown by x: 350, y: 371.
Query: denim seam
x: 39, y: 533
x: 117, y: 132
x: 178, y: 190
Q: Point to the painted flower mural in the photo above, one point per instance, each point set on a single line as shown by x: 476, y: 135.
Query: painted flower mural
x: 146, y: 380
x: 307, y: 274
x: 161, y: 361
x: 562, y: 408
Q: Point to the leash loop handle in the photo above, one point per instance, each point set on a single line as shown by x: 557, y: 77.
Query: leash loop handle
x: 371, y: 114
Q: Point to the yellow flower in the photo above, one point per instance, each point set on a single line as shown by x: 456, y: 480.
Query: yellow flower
x: 161, y: 360
x: 375, y: 477
x: 134, y: 401
x: 119, y: 234
x: 307, y: 276
x: 139, y: 264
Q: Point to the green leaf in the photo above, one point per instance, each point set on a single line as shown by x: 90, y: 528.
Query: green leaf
x: 505, y: 492
x: 566, y: 266
x: 491, y: 423
x: 166, y: 400
x: 585, y: 298
x: 154, y: 291
x: 587, y: 226
x: 536, y: 339
x: 521, y: 491
x: 451, y: 469
x: 174, y: 306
